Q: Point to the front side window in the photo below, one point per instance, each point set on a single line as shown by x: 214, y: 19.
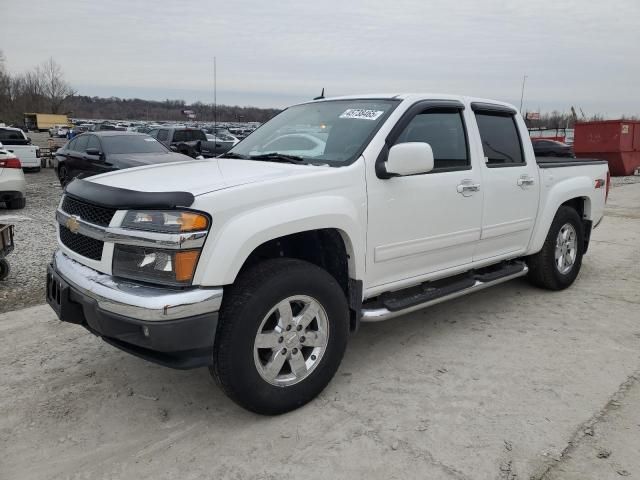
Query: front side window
x: 444, y: 131
x: 81, y: 144
x: 332, y: 132
x: 500, y: 140
x: 93, y: 143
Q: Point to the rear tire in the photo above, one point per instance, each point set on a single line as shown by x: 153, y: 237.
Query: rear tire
x: 557, y: 264
x: 17, y: 203
x: 271, y: 362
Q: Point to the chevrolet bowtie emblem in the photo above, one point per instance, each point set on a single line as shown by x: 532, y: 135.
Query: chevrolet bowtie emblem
x: 73, y: 224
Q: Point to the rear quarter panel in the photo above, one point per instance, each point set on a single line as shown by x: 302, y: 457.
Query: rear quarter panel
x: 561, y: 184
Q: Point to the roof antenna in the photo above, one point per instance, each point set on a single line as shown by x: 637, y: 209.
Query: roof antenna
x: 321, y: 95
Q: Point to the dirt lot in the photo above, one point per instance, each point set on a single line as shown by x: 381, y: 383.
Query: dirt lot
x: 512, y: 382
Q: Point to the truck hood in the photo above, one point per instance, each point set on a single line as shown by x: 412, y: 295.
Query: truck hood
x: 200, y: 176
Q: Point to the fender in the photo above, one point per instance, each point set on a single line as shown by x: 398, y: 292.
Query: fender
x: 555, y: 195
x: 224, y: 254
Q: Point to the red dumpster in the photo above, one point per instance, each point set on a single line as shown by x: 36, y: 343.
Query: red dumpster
x: 616, y: 141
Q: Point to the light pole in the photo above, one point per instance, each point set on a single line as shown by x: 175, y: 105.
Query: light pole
x: 524, y: 79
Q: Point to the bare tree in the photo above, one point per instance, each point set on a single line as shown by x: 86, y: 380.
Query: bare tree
x: 55, y: 88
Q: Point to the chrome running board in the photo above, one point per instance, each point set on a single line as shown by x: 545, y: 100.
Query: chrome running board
x: 378, y: 314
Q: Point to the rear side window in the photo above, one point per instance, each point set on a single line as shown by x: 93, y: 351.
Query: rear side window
x: 500, y: 140
x: 180, y: 136
x: 163, y: 135
x: 445, y: 132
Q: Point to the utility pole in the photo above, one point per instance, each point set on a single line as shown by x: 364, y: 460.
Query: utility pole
x: 524, y: 79
x: 215, y: 100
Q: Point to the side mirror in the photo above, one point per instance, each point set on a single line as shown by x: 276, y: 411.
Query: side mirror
x: 29, y: 139
x: 93, y: 152
x: 173, y: 148
x: 409, y: 159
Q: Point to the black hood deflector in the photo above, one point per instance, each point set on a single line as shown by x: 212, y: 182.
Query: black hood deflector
x: 123, y: 199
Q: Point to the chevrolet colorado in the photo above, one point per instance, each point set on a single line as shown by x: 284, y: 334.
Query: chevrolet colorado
x: 260, y: 264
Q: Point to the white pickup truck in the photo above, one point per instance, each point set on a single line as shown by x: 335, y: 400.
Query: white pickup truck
x: 16, y: 142
x: 261, y: 263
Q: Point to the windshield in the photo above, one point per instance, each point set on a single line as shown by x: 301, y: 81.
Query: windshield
x: 332, y: 132
x: 132, y: 144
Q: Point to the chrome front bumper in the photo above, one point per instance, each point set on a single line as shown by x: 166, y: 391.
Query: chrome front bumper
x: 135, y: 300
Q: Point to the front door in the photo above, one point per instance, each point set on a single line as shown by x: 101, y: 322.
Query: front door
x: 425, y: 223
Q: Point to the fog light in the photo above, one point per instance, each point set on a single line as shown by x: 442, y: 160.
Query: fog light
x: 145, y: 331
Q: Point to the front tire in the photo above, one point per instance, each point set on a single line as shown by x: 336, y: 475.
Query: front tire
x: 63, y: 175
x: 282, y: 333
x: 557, y: 265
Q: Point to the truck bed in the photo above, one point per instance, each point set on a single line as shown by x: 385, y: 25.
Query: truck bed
x: 556, y: 162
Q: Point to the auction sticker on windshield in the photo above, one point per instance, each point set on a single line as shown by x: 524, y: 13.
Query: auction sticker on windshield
x: 362, y: 114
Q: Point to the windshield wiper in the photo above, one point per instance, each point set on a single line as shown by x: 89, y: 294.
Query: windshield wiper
x: 233, y: 155
x: 278, y: 157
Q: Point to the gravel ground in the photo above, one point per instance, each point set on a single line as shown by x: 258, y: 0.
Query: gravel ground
x: 35, y: 239
x: 510, y: 383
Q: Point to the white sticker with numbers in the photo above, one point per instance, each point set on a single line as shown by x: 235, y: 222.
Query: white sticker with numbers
x: 362, y: 114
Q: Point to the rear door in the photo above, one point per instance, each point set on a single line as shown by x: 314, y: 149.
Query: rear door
x: 510, y: 181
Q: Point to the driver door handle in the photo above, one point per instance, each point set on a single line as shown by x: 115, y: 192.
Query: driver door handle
x: 467, y: 187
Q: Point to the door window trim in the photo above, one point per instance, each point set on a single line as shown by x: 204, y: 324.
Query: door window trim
x: 418, y: 108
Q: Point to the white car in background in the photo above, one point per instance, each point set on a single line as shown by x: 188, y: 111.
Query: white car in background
x: 16, y: 142
x: 12, y: 182
x: 300, y: 144
x: 59, y: 131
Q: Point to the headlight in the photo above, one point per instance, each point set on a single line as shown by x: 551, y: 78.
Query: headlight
x: 165, y: 222
x: 167, y: 267
x: 154, y: 263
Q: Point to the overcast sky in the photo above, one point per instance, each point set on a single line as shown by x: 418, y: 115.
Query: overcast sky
x: 273, y: 53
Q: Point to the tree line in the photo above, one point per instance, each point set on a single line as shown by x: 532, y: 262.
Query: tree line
x: 150, y: 110
x: 44, y: 89
x: 557, y: 120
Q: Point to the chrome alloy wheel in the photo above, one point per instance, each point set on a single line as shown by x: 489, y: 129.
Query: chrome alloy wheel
x: 566, y: 248
x: 291, y: 340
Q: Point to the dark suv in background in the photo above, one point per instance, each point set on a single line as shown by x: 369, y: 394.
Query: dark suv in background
x: 99, y: 152
x: 189, y: 141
